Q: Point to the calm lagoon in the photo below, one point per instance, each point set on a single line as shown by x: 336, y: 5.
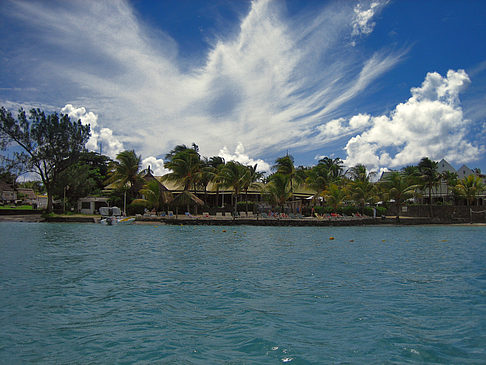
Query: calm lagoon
x: 85, y: 293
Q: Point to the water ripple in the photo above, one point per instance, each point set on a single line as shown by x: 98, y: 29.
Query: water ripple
x: 251, y: 295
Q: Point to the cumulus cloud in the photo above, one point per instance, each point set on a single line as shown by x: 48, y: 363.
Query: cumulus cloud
x: 363, y: 15
x: 430, y: 123
x: 271, y: 84
x: 156, y: 165
x: 103, y: 139
x: 240, y: 156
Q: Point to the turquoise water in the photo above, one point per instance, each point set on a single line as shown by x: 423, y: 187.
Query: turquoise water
x: 74, y: 293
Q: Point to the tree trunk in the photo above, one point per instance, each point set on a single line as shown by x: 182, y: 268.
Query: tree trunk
x: 49, y: 197
x: 246, y: 198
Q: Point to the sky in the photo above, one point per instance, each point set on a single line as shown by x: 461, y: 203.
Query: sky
x: 380, y: 82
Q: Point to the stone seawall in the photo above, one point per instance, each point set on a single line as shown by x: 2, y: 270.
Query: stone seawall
x: 299, y: 222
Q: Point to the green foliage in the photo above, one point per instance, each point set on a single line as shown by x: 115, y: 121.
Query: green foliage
x: 186, y: 166
x: 350, y: 210
x: 278, y: 190
x: 155, y: 195
x: 244, y: 205
x: 125, y: 171
x: 399, y: 188
x: 470, y: 187
x: 137, y: 206
x: 16, y: 207
x: 86, y: 177
x: 37, y: 186
x: 50, y: 142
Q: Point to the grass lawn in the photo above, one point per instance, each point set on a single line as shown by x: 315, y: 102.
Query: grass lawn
x: 18, y: 207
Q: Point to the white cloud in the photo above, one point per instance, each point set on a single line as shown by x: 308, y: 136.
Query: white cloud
x: 363, y: 15
x: 156, y: 165
x: 86, y: 118
x: 104, y: 138
x: 270, y: 86
x: 430, y: 123
x: 240, y: 156
x: 101, y: 139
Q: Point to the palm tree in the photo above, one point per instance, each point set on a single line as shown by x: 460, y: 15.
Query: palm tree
x: 154, y: 195
x: 250, y: 181
x: 125, y: 173
x: 450, y: 179
x: 186, y: 169
x: 233, y: 175
x: 360, y: 173
x: 334, y: 195
x: 318, y: 179
x: 362, y: 192
x: 215, y: 164
x: 285, y: 166
x: 126, y: 170
x: 334, y: 167
x: 429, y: 176
x: 399, y: 189
x: 277, y: 191
x: 470, y: 187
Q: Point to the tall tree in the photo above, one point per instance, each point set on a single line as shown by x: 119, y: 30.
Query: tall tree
x: 285, y: 166
x: 360, y: 173
x: 362, y: 192
x: 250, y: 181
x: 334, y: 195
x: 125, y: 173
x: 450, y: 179
x: 399, y: 188
x: 277, y: 190
x: 186, y: 166
x: 216, y: 163
x: 430, y: 177
x: 334, y: 167
x: 470, y: 187
x: 233, y: 175
x: 318, y: 179
x: 85, y: 177
x: 155, y: 195
x: 50, y: 142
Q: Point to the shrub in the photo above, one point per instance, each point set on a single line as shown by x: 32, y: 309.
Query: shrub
x: 241, y: 206
x: 137, y: 207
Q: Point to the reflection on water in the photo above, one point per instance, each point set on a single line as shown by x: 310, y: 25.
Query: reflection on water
x: 190, y: 294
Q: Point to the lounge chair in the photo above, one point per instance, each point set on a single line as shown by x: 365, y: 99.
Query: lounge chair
x: 205, y: 214
x: 170, y: 214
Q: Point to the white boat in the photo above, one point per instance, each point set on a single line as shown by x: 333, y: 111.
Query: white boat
x: 111, y: 216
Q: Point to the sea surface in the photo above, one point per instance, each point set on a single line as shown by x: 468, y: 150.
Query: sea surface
x: 89, y: 294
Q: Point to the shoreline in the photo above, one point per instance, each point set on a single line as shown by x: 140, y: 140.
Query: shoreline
x: 269, y: 222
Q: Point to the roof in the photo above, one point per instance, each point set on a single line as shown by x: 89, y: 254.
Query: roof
x: 443, y: 166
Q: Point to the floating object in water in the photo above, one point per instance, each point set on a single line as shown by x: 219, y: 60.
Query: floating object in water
x: 383, y: 240
x: 331, y: 238
x: 224, y: 230
x: 351, y: 240
x: 443, y: 241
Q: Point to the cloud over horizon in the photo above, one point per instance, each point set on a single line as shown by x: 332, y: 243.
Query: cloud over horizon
x: 430, y: 123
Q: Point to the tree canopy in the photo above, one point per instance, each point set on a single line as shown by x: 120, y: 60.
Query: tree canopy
x: 50, y: 143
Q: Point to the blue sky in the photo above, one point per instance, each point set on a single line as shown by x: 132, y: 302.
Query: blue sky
x: 382, y: 83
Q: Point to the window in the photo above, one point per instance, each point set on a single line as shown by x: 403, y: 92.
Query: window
x: 85, y: 205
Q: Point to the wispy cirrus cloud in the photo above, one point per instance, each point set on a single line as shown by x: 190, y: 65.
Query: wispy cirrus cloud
x: 275, y: 84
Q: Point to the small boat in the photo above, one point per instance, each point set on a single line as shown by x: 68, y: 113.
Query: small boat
x: 111, y: 216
